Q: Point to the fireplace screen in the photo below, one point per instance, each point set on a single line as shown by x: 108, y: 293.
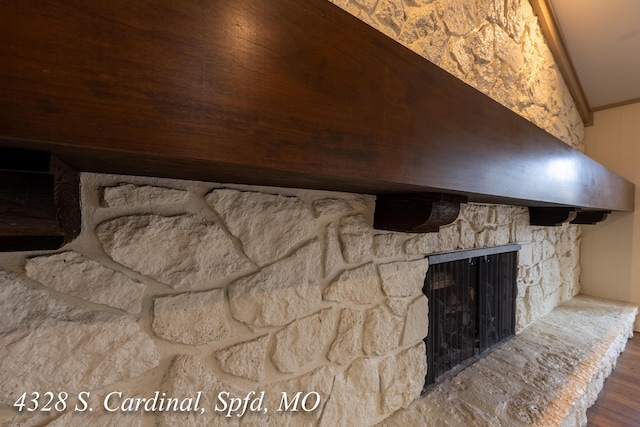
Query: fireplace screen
x: 471, y: 305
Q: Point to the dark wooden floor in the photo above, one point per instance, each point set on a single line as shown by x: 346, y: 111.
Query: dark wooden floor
x: 618, y: 403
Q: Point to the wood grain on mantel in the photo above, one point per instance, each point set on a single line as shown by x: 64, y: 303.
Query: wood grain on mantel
x: 288, y: 93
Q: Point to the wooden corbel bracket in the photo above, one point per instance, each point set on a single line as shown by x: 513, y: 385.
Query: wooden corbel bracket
x: 590, y: 217
x: 39, y: 201
x: 416, y: 213
x: 554, y: 216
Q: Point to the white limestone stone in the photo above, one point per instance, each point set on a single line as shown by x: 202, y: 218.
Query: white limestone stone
x: 281, y: 292
x: 548, y: 249
x: 476, y: 215
x: 98, y: 418
x: 505, y: 214
x: 518, y: 13
x: 304, y: 341
x: 534, y: 303
x: 402, y: 377
x: 459, y: 16
x: 10, y: 417
x: 460, y: 59
x: 480, y: 44
x: 355, y: 396
x: 360, y: 285
x: 391, y: 13
x: 269, y: 226
x: 246, y: 360
x: 494, y: 236
x: 507, y: 49
x: 403, y: 278
x: 78, y: 276
x: 419, y: 24
x: 48, y: 344
x: 416, y: 326
x: 381, y: 332
x: 425, y: 33
x: 333, y: 261
x: 485, y: 76
x: 366, y: 4
x: 319, y: 381
x: 422, y: 244
x: 182, y: 251
x: 551, y: 279
x: 525, y: 255
x: 185, y: 377
x: 529, y: 276
x: 129, y: 195
x: 387, y: 245
x: 356, y: 238
x: 97, y: 415
x: 348, y: 343
x: 398, y: 306
x: 323, y: 207
x: 467, y: 235
x: 192, y: 318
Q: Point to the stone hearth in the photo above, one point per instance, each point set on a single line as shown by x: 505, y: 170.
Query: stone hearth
x: 548, y: 375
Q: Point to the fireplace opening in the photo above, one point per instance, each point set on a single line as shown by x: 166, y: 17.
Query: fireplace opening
x: 472, y: 296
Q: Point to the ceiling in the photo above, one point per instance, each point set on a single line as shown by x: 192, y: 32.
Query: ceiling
x: 602, y: 40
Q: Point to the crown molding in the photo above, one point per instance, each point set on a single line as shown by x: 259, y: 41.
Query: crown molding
x: 551, y: 30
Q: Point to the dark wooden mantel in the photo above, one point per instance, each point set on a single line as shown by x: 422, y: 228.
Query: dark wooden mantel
x: 285, y: 93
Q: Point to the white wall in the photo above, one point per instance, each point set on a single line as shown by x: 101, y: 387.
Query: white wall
x: 610, y: 253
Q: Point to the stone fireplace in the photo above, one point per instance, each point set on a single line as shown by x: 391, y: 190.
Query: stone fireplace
x: 206, y: 292
x: 234, y: 289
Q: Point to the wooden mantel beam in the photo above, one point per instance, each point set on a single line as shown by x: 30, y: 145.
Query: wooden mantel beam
x: 288, y: 93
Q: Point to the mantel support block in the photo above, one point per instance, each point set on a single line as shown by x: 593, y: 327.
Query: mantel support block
x: 416, y: 213
x: 555, y: 216
x: 590, y: 217
x: 39, y: 201
x: 551, y: 216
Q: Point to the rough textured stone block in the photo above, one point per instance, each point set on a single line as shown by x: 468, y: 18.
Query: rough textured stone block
x: 402, y: 377
x: 398, y: 306
x: 382, y: 331
x: 333, y: 261
x: 269, y: 226
x: 387, y: 245
x: 422, y: 244
x: 281, y: 292
x: 403, y: 278
x: 303, y: 341
x: 323, y: 207
x: 348, y: 343
x: 129, y: 195
x: 320, y: 381
x: 355, y: 396
x: 76, y: 275
x: 356, y: 238
x: 182, y: 251
x: 391, y: 13
x: 416, y: 326
x: 64, y: 346
x: 186, y: 376
x: 360, y: 285
x: 246, y: 360
x: 194, y: 318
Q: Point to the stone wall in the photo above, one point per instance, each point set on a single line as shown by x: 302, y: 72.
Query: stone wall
x: 179, y: 287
